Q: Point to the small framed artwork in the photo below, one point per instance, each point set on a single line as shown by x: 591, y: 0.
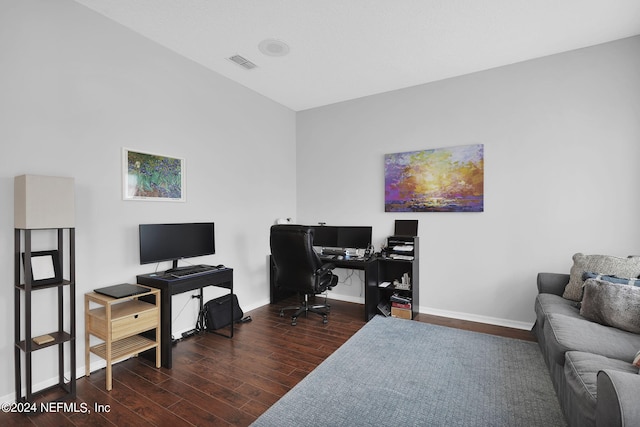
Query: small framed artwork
x: 45, y: 267
x: 154, y: 177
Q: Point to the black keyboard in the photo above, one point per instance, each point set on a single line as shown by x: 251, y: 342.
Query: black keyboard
x: 191, y: 271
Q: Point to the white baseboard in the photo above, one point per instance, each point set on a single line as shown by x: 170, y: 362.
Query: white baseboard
x: 477, y: 318
x: 451, y: 314
x: 11, y: 397
x: 259, y: 304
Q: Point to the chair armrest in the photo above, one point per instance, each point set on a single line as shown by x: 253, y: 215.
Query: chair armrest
x: 328, y: 266
x: 552, y: 283
x: 325, y: 270
x: 617, y: 403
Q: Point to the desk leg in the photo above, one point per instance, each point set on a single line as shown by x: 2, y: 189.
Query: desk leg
x: 87, y: 348
x: 158, y: 331
x: 232, y: 313
x: 370, y: 290
x: 166, y: 343
x: 232, y: 307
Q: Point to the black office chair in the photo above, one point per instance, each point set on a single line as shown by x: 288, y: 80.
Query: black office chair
x: 298, y: 268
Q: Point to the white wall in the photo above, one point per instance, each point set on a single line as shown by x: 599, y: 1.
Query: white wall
x: 74, y: 89
x: 562, y: 143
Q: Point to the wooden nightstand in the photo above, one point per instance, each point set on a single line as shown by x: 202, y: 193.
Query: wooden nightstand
x: 118, y: 322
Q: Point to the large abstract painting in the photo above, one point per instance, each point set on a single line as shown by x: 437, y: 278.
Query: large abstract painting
x: 153, y: 177
x: 447, y: 179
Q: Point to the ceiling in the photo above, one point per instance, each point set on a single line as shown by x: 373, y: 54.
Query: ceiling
x: 346, y: 49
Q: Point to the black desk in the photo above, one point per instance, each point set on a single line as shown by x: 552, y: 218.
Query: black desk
x: 169, y: 286
x: 370, y: 268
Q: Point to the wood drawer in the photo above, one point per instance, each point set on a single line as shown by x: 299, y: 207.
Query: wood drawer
x: 134, y: 324
x: 127, y: 318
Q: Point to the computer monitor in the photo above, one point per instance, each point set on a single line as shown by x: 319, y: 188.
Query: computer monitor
x: 325, y: 236
x: 172, y: 242
x: 354, y: 237
x: 406, y: 227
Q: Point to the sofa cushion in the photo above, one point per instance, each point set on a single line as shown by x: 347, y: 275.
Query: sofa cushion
x: 599, y: 264
x: 612, y: 304
x: 565, y: 333
x: 549, y: 303
x: 581, y: 374
x: 546, y: 304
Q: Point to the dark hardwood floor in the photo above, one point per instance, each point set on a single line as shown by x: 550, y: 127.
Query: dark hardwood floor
x: 216, y: 381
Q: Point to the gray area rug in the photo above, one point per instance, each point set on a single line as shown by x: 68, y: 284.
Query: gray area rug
x: 400, y: 372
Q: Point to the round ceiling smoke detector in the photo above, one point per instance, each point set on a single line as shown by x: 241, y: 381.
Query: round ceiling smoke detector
x: 272, y: 47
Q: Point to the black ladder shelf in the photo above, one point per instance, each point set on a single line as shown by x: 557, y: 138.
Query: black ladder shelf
x: 25, y: 346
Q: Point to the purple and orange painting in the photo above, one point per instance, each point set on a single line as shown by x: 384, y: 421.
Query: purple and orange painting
x: 447, y: 179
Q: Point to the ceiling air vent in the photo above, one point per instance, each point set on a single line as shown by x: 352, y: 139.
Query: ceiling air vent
x: 243, y: 62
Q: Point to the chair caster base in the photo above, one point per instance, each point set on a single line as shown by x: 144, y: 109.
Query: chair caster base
x: 305, y: 308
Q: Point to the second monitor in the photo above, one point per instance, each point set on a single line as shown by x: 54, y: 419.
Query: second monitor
x: 358, y: 237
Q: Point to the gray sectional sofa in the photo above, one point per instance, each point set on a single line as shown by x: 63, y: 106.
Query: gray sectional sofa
x: 591, y: 362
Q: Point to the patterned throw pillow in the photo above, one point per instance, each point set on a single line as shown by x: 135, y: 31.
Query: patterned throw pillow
x: 599, y: 264
x: 636, y: 360
x: 633, y: 281
x: 611, y: 304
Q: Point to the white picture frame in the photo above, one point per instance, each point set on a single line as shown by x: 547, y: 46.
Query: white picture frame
x: 153, y: 177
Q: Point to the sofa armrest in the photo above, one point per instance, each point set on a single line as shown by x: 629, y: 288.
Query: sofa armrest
x: 617, y: 403
x: 552, y: 283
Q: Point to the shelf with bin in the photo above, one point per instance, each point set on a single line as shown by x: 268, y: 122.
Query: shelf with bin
x: 399, y: 277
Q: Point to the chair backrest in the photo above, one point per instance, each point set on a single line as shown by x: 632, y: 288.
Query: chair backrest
x: 295, y: 260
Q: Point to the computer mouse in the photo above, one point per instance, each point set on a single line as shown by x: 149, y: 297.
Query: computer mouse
x: 340, y: 257
x: 220, y: 266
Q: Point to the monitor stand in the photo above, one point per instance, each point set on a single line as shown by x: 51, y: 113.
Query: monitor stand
x: 174, y: 267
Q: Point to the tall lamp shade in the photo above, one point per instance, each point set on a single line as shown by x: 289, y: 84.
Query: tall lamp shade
x: 44, y: 202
